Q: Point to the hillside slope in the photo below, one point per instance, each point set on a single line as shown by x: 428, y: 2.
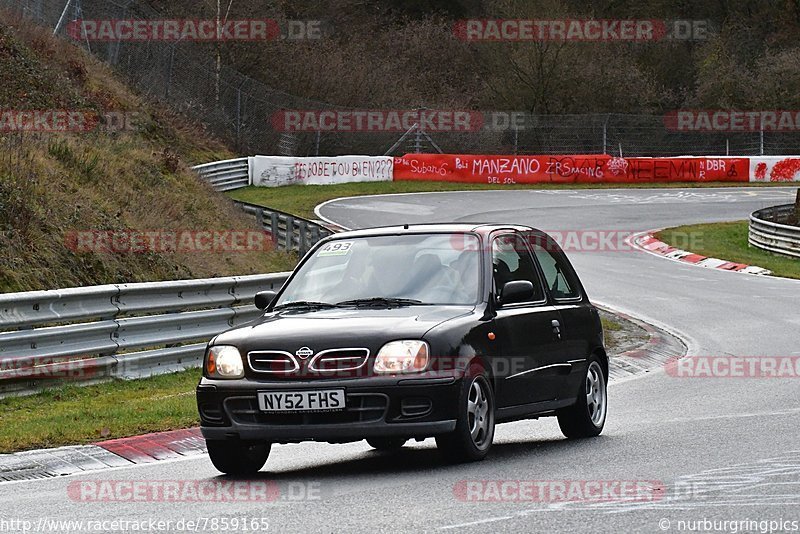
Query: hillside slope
x: 100, y: 179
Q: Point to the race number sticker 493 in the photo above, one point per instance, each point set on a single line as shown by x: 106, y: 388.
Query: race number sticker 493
x: 339, y: 248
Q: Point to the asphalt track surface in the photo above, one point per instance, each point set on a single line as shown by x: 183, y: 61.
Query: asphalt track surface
x: 724, y: 449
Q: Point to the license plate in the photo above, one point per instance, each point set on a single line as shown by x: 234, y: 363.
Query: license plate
x: 320, y: 400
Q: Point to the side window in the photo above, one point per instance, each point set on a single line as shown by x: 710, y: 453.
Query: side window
x: 512, y: 261
x: 557, y: 276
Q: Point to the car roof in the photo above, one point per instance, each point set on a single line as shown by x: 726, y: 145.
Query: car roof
x: 434, y: 228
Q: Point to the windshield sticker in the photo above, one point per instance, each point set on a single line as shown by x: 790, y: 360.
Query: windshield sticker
x: 340, y: 248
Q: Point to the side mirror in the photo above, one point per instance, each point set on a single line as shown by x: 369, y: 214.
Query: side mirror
x: 516, y: 291
x: 264, y: 299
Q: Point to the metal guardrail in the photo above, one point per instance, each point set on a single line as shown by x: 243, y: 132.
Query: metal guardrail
x: 225, y: 175
x: 769, y: 230
x: 288, y: 231
x: 83, y: 335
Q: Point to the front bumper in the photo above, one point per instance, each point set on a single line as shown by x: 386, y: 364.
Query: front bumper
x: 390, y: 406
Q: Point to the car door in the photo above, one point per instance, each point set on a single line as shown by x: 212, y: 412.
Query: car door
x: 577, y: 317
x: 527, y: 343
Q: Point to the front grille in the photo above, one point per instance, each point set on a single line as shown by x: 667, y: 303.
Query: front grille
x: 272, y: 362
x: 334, y: 360
x: 360, y: 408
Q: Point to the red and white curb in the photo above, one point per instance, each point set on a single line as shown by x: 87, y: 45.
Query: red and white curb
x: 660, y: 348
x: 647, y: 242
x: 123, y: 452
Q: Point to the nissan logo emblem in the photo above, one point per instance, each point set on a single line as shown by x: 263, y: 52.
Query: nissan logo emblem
x: 304, y: 353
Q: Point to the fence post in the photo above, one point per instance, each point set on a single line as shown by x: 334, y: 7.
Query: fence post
x: 168, y: 81
x: 761, y: 141
x: 114, y: 46
x: 238, y: 116
x: 61, y: 19
x: 516, y: 140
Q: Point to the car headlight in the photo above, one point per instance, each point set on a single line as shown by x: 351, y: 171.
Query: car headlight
x: 224, y: 361
x: 407, y: 356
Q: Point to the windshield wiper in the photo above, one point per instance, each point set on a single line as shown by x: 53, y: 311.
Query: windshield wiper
x: 304, y: 304
x: 380, y: 301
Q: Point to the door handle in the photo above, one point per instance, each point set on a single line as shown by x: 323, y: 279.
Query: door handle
x: 556, y: 328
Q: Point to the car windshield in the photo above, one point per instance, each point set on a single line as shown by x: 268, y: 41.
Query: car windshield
x: 390, y: 270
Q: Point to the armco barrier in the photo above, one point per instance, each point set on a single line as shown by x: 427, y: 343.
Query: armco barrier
x: 82, y: 335
x: 769, y: 231
x: 225, y: 175
x: 288, y: 231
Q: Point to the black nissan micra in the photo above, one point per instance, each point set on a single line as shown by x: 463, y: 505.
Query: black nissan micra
x: 410, y: 332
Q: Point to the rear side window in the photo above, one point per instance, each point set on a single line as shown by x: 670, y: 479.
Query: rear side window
x: 558, y: 276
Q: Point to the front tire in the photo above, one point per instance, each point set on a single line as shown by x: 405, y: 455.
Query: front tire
x: 586, y: 418
x: 472, y: 438
x: 238, y: 457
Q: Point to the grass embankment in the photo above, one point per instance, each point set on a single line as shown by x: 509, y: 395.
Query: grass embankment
x: 302, y: 199
x: 74, y: 415
x: 106, y: 179
x: 728, y: 241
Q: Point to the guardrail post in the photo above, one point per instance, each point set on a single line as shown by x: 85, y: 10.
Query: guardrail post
x: 260, y: 217
x: 273, y: 228
x: 290, y: 226
x: 303, y: 244
x: 796, y: 217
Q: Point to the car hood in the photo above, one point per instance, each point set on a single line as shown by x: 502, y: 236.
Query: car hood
x: 338, y: 327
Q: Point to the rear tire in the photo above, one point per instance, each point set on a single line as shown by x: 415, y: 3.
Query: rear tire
x: 586, y: 418
x: 472, y: 438
x: 386, y: 444
x: 238, y: 457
